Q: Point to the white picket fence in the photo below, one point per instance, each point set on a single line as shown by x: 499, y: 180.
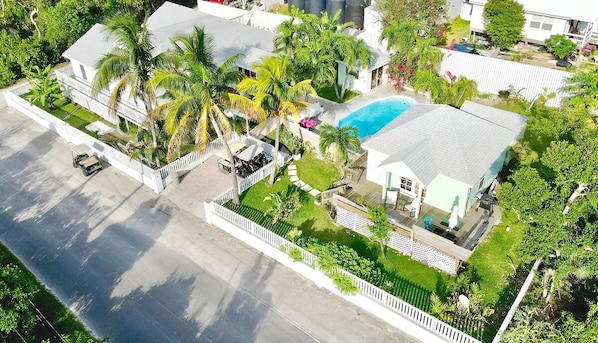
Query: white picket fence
x: 371, y: 292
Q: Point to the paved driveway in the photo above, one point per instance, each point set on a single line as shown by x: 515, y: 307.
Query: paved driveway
x: 136, y: 268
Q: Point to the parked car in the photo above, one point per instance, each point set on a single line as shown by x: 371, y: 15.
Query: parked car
x: 563, y: 63
x: 84, y: 158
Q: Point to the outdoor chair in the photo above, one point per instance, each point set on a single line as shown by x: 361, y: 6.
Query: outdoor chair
x: 411, y: 207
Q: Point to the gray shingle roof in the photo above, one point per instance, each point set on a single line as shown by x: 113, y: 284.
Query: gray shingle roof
x: 439, y: 139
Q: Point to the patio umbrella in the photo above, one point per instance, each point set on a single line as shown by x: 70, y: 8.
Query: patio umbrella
x: 454, y: 218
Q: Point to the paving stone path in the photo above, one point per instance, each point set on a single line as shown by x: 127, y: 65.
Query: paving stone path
x: 292, y: 171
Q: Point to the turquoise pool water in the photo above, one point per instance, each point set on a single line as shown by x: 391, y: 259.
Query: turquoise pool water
x: 372, y: 117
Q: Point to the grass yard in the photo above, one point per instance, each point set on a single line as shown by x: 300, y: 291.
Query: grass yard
x: 496, y: 257
x: 459, y: 28
x: 60, y: 317
x: 411, y: 280
x: 330, y: 94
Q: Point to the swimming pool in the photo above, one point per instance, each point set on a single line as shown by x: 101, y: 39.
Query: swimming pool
x: 372, y: 117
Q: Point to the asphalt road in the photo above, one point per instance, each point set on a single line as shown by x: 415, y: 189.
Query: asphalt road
x: 136, y: 268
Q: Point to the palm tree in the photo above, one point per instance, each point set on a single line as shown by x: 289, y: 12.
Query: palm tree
x: 354, y: 53
x: 461, y: 90
x: 273, y: 93
x: 130, y: 63
x: 343, y: 138
x: 198, y: 89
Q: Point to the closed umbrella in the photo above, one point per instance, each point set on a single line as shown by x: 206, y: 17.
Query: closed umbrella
x: 454, y: 218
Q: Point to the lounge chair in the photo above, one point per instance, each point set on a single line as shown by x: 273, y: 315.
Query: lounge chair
x: 411, y: 207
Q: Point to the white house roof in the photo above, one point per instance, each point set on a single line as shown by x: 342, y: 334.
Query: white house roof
x: 439, y: 139
x: 171, y: 20
x: 586, y: 10
x: 90, y: 47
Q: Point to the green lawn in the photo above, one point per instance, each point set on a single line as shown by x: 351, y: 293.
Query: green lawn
x: 412, y: 280
x: 459, y: 28
x: 59, y: 316
x: 330, y: 94
x: 496, y: 257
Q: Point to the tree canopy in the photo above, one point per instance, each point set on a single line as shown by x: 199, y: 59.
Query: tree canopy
x: 505, y: 22
x: 560, y: 46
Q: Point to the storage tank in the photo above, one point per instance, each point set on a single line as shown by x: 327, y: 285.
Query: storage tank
x: 334, y: 5
x: 354, y: 14
x: 300, y: 4
x: 315, y: 6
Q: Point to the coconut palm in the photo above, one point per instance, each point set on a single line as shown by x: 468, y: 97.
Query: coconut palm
x: 273, y: 93
x: 130, y: 64
x: 198, y: 89
x: 341, y: 139
x: 354, y: 53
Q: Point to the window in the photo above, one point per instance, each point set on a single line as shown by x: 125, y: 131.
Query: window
x: 406, y: 184
x: 542, y: 23
x: 83, y: 71
x: 247, y: 72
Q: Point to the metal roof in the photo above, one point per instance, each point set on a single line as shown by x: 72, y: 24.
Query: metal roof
x: 440, y: 139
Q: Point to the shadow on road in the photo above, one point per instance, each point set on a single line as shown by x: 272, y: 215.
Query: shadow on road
x: 110, y: 265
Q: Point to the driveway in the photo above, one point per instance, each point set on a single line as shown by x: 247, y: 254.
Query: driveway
x: 136, y: 268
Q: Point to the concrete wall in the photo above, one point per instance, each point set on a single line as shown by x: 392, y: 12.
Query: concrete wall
x: 120, y: 161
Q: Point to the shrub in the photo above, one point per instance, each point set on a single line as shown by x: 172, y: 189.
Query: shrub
x: 344, y: 283
x: 296, y: 254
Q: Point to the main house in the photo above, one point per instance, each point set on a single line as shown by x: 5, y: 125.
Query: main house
x: 576, y: 19
x: 250, y: 33
x: 441, y: 155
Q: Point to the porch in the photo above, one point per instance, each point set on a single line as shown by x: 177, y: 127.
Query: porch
x: 467, y: 234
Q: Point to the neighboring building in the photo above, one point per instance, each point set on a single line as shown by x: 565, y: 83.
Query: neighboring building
x: 442, y: 155
x: 234, y: 31
x: 576, y: 19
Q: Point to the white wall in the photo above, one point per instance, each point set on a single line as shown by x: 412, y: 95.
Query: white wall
x: 493, y: 75
x: 375, y: 174
x: 120, y: 161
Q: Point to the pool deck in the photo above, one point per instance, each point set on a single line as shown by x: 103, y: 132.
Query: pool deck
x: 339, y: 111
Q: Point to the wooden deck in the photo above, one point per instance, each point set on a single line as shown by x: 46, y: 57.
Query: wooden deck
x: 470, y: 228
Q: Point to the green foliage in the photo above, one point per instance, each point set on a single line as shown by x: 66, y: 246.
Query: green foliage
x: 67, y: 21
x: 380, y: 228
x: 342, y: 138
x: 526, y: 193
x: 445, y: 90
x: 284, y: 204
x: 344, y: 283
x: 314, y: 46
x: 45, y: 90
x: 505, y: 22
x: 560, y: 46
x: 412, y: 53
x: 274, y: 93
x: 332, y: 255
x: 292, y: 142
x: 16, y: 314
x: 294, y: 234
x: 296, y: 254
x: 583, y: 87
x: 428, y: 16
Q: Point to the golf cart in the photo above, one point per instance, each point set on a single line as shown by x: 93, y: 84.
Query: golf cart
x: 84, y: 159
